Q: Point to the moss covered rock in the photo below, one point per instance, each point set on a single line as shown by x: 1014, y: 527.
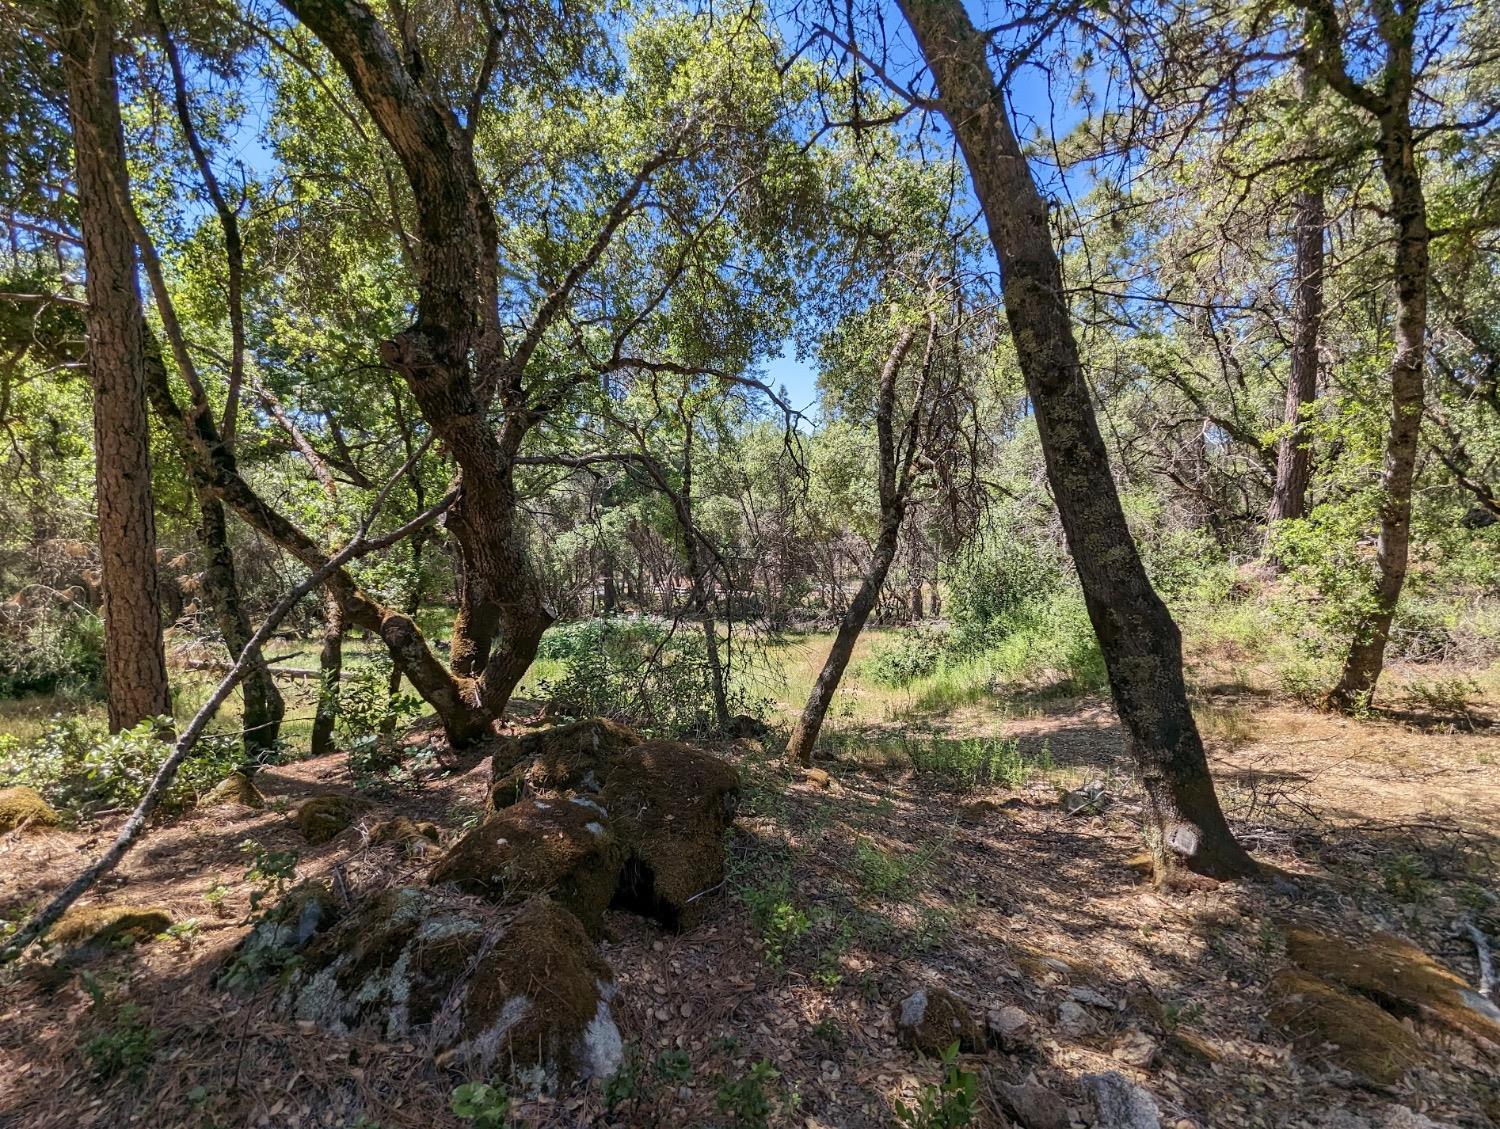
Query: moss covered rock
x: 931, y: 1020
x: 561, y: 846
x: 301, y: 914
x: 320, y: 818
x: 411, y: 836
x: 99, y: 927
x: 671, y: 804
x: 24, y: 807
x: 483, y: 987
x: 1347, y: 1029
x: 235, y: 789
x: 576, y: 757
x: 1399, y: 978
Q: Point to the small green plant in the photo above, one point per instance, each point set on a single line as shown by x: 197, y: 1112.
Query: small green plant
x: 1175, y: 1015
x: 125, y: 1044
x: 975, y: 763
x: 746, y: 1099
x: 829, y: 1033
x: 487, y: 1106
x: 881, y: 873
x: 625, y: 1083
x: 675, y: 1066
x: 270, y: 872
x: 1407, y: 878
x: 947, y: 1105
x: 183, y: 931
x: 214, y: 896
x: 776, y: 918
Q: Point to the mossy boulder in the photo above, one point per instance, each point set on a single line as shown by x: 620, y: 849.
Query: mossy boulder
x: 561, y: 846
x: 1347, y: 1029
x: 931, y: 1020
x: 321, y: 818
x: 1399, y: 978
x: 576, y: 757
x: 302, y: 913
x: 409, y: 835
x: 483, y: 987
x: 236, y: 789
x: 24, y: 807
x: 103, y: 927
x: 671, y: 804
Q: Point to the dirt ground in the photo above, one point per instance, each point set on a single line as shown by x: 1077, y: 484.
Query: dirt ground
x: 842, y: 898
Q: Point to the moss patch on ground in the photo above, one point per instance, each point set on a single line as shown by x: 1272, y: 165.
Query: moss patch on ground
x: 321, y: 818
x: 21, y: 806
x: 1398, y: 977
x: 576, y: 757
x: 1350, y: 1030
x: 102, y: 926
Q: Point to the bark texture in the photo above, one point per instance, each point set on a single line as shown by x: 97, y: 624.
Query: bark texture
x: 330, y: 667
x: 1293, y: 452
x: 135, y: 661
x: 263, y: 704
x: 1139, y: 640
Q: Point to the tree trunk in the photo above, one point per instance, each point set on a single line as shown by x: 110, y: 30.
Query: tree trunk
x: 1293, y: 453
x: 799, y: 748
x: 263, y: 705
x: 331, y: 665
x: 1398, y: 161
x: 1140, y: 642
x: 135, y: 660
x: 893, y: 486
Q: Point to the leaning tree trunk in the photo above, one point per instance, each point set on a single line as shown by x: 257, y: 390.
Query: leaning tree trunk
x: 263, y: 705
x: 1140, y: 642
x: 1293, y: 452
x: 135, y: 660
x: 692, y: 551
x: 805, y: 733
x: 1366, y: 656
x: 330, y: 669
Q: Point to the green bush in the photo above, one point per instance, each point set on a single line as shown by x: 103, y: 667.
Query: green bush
x: 911, y: 655
x: 649, y: 673
x: 59, y: 647
x: 79, y: 766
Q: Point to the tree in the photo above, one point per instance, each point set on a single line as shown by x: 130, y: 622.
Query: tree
x: 1293, y: 451
x: 135, y: 659
x: 1141, y: 644
x: 1389, y: 103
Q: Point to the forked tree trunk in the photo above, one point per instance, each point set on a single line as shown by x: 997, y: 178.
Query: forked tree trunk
x: 135, y: 660
x: 263, y: 705
x: 330, y: 667
x: 1139, y: 640
x: 1366, y: 657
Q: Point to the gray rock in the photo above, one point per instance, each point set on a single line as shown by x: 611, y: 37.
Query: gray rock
x: 1033, y: 1106
x: 1074, y: 1020
x: 1009, y: 1026
x: 1092, y: 799
x: 1120, y: 1103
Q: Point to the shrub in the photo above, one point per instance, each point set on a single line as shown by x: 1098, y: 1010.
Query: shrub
x: 79, y: 766
x: 911, y: 655
x: 975, y: 762
x: 55, y: 647
x: 649, y: 673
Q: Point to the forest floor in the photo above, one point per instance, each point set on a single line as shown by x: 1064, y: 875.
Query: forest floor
x: 844, y: 895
